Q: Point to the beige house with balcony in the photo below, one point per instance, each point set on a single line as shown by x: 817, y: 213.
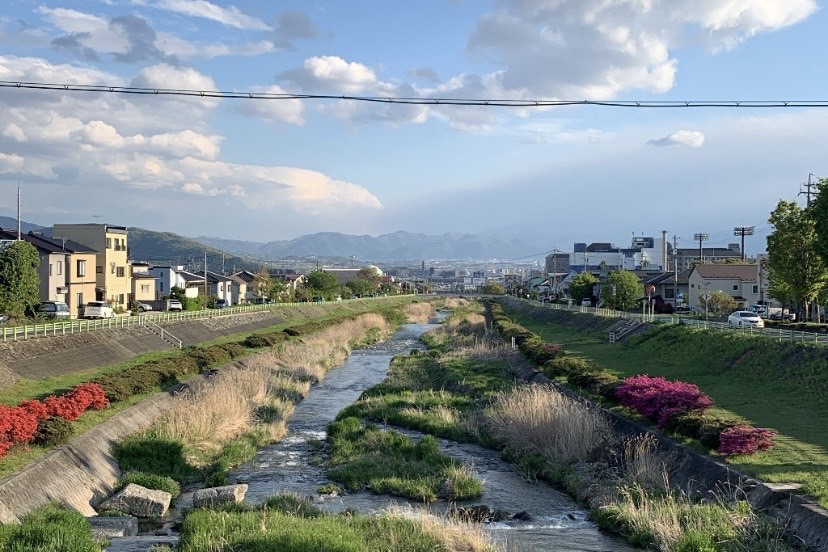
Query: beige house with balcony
x: 112, y: 274
x: 739, y: 281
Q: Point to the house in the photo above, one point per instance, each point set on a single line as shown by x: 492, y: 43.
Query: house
x: 218, y: 286
x: 143, y: 284
x: 739, y: 281
x: 168, y: 277
x: 112, y: 277
x: 65, y: 269
x: 240, y: 289
x: 667, y: 285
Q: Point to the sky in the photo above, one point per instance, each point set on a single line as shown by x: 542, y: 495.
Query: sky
x: 262, y: 169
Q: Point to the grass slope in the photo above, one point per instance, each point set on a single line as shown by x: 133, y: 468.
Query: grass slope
x: 778, y: 385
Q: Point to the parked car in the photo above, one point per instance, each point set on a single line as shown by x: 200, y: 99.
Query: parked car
x: 262, y: 301
x: 174, y: 305
x: 144, y: 307
x: 586, y: 302
x: 745, y: 318
x: 53, y: 310
x: 98, y: 309
x: 221, y: 304
x: 783, y: 315
x: 3, y: 318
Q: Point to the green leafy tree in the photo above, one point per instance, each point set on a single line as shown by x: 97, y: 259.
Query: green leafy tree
x: 262, y: 283
x: 622, y: 290
x: 360, y: 287
x: 19, y: 281
x: 581, y: 286
x: 793, y: 259
x: 493, y: 288
x: 717, y: 303
x: 322, y: 283
x: 819, y: 212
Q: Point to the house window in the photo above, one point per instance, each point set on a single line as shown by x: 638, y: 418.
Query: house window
x: 755, y: 290
x: 735, y: 287
x: 160, y: 286
x: 99, y: 269
x: 121, y: 299
x: 109, y: 243
x: 668, y: 293
x: 50, y: 269
x: 81, y: 268
x: 144, y: 288
x: 120, y: 272
x: 79, y: 299
x: 60, y: 268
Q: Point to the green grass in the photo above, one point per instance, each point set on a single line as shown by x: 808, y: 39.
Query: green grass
x: 768, y: 384
x: 49, y: 529
x: 286, y: 525
x: 385, y: 461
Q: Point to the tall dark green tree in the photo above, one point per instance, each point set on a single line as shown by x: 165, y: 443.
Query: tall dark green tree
x: 622, y: 290
x: 19, y: 281
x: 795, y: 265
x: 819, y: 212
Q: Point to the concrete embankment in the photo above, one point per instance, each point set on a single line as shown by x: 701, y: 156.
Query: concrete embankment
x: 802, y: 518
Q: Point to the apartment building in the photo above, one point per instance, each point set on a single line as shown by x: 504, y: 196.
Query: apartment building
x: 113, y: 281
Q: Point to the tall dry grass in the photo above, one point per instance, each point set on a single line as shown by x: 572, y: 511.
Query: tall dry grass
x: 227, y: 405
x: 451, y: 533
x: 539, y: 419
x: 419, y: 313
x: 456, y: 303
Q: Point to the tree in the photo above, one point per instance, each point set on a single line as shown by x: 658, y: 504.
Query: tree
x: 19, y: 281
x: 819, y: 212
x: 581, y: 286
x: 622, y: 290
x: 717, y: 303
x: 322, y: 283
x: 493, y: 288
x: 794, y: 262
x: 262, y: 283
x: 360, y: 287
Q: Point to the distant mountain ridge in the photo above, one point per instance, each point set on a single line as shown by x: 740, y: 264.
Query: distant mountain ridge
x: 11, y: 224
x: 399, y: 246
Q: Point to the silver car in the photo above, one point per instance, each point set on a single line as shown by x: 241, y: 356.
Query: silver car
x: 745, y: 318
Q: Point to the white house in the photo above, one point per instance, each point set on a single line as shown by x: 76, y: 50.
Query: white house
x: 739, y: 281
x: 168, y: 277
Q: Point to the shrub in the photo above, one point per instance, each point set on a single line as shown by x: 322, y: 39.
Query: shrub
x: 17, y: 425
x: 257, y: 341
x: 206, y: 356
x: 53, y: 431
x: 700, y: 426
x: 150, y: 481
x: 597, y: 381
x: 658, y: 399
x: 235, y: 350
x: 564, y: 366
x: 745, y: 439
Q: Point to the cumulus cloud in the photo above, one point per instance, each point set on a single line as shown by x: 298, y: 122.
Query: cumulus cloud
x: 273, y: 111
x: 331, y: 74
x: 292, y: 26
x: 230, y: 16
x: 689, y: 138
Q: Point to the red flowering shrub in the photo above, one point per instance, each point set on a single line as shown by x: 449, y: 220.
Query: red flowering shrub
x: 658, y: 399
x: 17, y: 425
x: 90, y: 394
x: 745, y: 439
x: 76, y: 402
x: 35, y: 408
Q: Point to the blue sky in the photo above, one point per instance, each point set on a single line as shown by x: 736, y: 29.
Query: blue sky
x: 264, y: 170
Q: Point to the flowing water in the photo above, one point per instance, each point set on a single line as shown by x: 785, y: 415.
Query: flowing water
x: 557, y: 523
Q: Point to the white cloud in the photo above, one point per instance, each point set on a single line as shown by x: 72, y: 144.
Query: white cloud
x: 689, y: 138
x: 230, y: 16
x: 333, y: 74
x: 273, y: 111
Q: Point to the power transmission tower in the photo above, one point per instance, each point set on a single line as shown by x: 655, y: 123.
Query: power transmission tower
x: 743, y: 231
x: 701, y: 237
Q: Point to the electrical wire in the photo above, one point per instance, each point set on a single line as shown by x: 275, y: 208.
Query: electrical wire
x: 504, y: 102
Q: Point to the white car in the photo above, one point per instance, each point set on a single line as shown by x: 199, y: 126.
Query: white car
x: 745, y: 318
x: 98, y: 309
x: 586, y: 302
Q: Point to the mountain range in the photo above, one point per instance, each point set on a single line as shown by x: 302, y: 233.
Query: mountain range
x: 329, y: 247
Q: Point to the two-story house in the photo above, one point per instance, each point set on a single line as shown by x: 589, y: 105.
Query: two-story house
x: 65, y: 269
x: 739, y: 281
x: 112, y: 275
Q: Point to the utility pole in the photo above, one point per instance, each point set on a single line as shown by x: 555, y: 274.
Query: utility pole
x: 746, y: 231
x: 808, y: 186
x: 205, y: 278
x: 675, y: 271
x: 701, y: 237
x: 18, y: 211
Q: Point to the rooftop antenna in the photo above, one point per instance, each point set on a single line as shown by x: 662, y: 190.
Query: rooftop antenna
x: 97, y: 217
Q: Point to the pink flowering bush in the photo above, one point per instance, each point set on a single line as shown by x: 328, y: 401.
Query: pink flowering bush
x: 659, y: 399
x: 745, y: 439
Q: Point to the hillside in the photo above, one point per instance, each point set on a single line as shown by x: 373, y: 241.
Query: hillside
x: 171, y: 249
x: 11, y: 223
x: 398, y: 246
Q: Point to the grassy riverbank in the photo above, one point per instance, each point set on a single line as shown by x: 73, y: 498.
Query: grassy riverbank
x: 768, y: 384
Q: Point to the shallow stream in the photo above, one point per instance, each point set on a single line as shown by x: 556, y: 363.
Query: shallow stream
x: 557, y: 523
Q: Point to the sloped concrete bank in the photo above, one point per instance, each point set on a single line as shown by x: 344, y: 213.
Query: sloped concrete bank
x: 801, y: 517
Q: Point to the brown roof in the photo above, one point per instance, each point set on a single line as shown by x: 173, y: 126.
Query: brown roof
x: 746, y: 273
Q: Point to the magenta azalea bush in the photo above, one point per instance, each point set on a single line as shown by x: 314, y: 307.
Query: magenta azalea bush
x: 658, y: 398
x: 745, y: 439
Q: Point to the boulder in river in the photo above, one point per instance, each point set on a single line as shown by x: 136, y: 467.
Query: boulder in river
x: 138, y: 501
x: 215, y: 496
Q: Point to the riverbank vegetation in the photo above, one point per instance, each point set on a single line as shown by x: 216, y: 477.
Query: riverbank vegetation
x: 462, y: 389
x: 752, y: 380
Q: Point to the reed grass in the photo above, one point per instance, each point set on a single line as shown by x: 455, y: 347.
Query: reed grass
x: 419, y: 313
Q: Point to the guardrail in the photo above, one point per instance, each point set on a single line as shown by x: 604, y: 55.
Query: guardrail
x: 778, y: 333
x: 49, y: 329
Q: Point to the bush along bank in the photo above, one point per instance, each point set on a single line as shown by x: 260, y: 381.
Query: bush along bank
x: 642, y: 505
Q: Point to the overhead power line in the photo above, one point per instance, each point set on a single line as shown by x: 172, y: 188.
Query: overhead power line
x: 502, y: 102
